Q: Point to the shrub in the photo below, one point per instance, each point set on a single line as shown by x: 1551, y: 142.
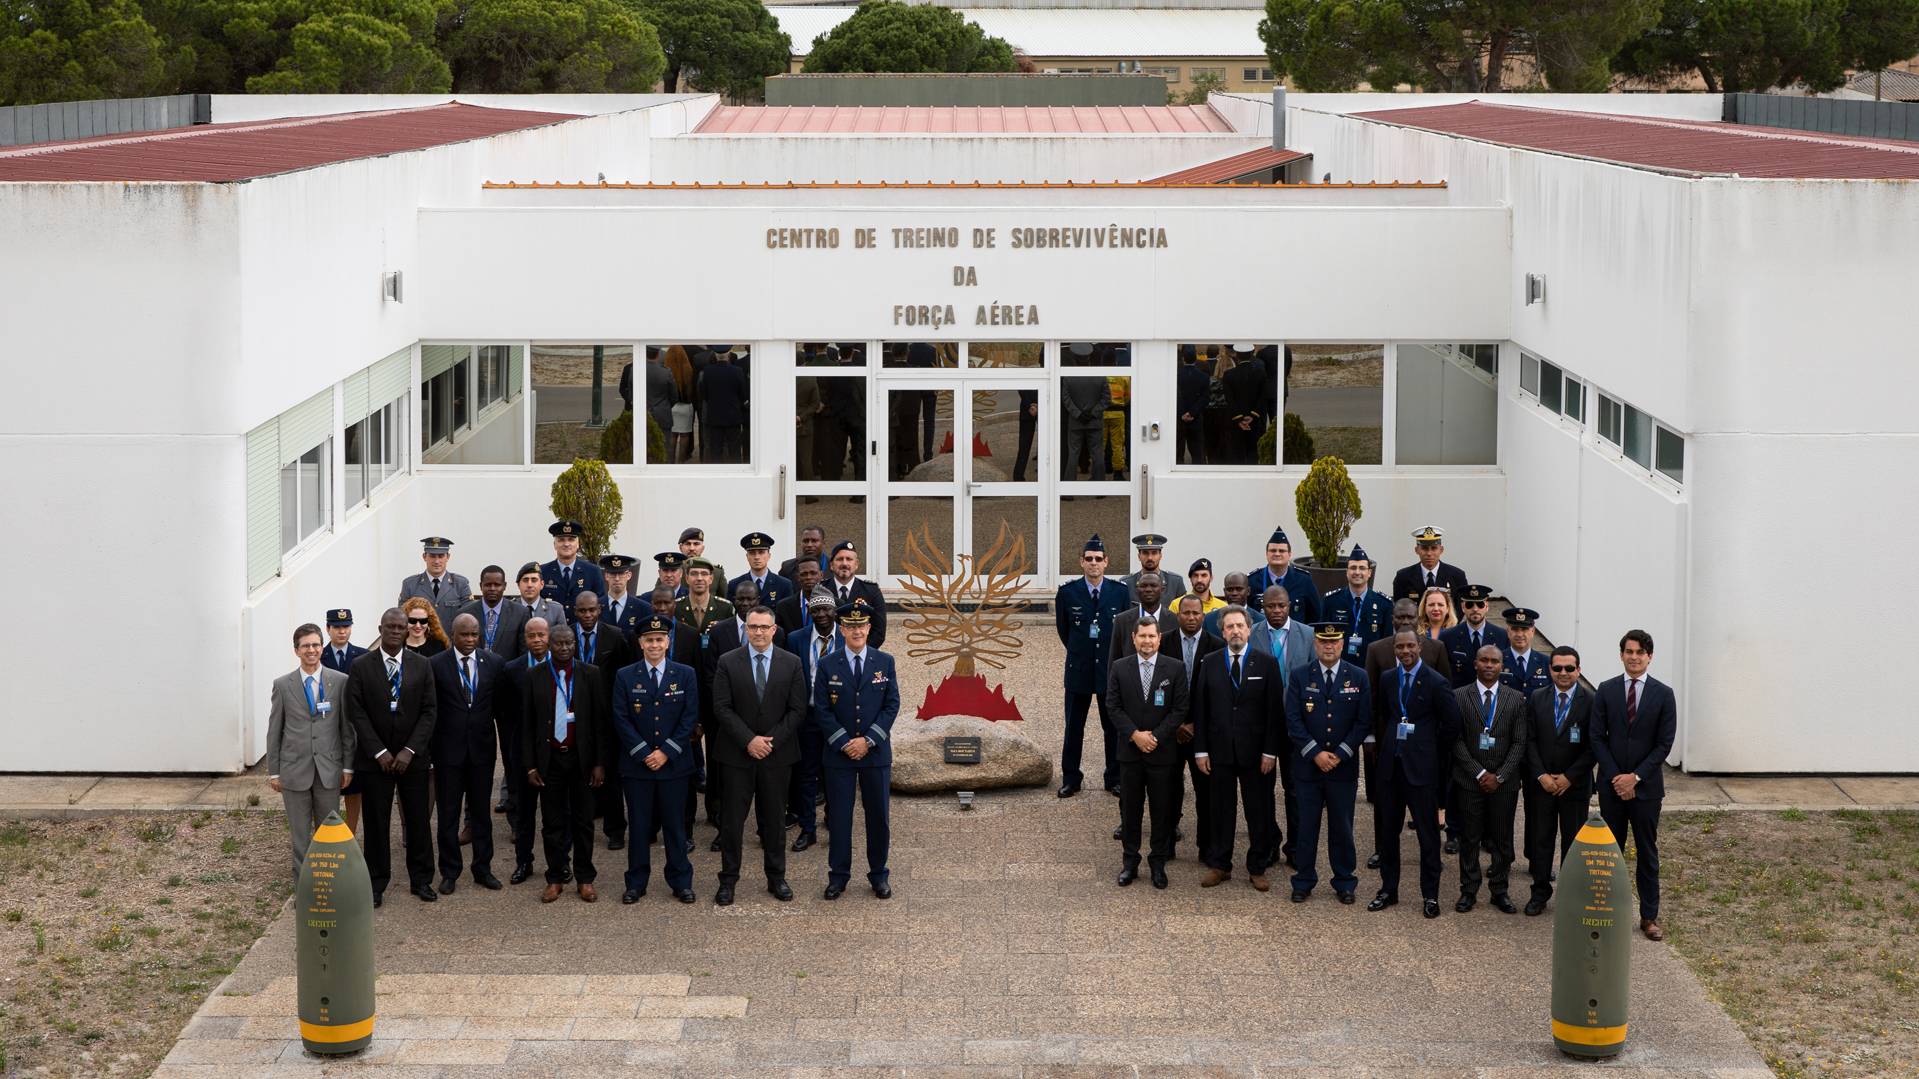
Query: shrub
x: 1328, y: 507
x: 585, y: 493
x: 616, y: 442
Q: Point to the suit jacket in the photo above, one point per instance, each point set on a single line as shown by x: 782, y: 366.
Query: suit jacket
x: 790, y: 567
x: 308, y: 745
x: 740, y: 714
x: 1510, y: 729
x: 777, y: 587
x: 586, y: 578
x: 1323, y: 717
x: 378, y: 728
x: 1132, y: 710
x: 723, y: 638
x: 861, y: 587
x: 1640, y: 747
x: 1299, y: 644
x: 1236, y: 725
x: 589, y: 716
x: 1426, y: 752
x: 1410, y: 582
x: 1529, y: 673
x: 1374, y: 620
x: 1298, y: 585
x: 511, y: 620
x: 1127, y: 621
x: 1459, y: 648
x: 643, y: 721
x: 454, y: 593
x: 1563, y: 751
x: 633, y: 610
x: 1175, y: 647
x: 465, y: 732
x: 1086, y: 631
x: 723, y: 392
x: 511, y: 701
x: 845, y: 711
x: 1083, y: 401
x: 611, y: 650
x: 791, y: 615
x: 1379, y: 659
x: 353, y: 652
x: 1190, y: 389
x: 799, y: 642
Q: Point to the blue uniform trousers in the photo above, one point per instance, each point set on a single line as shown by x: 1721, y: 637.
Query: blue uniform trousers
x: 1335, y: 798
x: 650, y: 804
x: 1069, y: 754
x: 874, y: 786
x: 806, y: 779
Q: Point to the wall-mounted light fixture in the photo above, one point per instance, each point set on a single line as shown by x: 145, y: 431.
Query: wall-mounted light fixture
x: 390, y: 287
x: 1535, y: 288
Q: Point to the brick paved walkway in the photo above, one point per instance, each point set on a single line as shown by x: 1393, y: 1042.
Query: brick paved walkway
x: 1006, y: 949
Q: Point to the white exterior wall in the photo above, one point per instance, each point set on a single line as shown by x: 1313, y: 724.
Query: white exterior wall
x: 934, y: 158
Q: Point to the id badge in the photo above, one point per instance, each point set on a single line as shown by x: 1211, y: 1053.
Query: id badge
x: 1405, y: 730
x: 1575, y: 735
x: 568, y: 717
x: 392, y: 706
x: 1485, y: 740
x: 1352, y: 645
x: 706, y: 639
x: 1159, y: 698
x: 1092, y: 629
x: 324, y: 707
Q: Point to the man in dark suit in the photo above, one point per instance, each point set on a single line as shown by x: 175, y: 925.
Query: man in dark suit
x: 465, y: 680
x: 1526, y: 670
x: 1559, y: 772
x: 1487, y: 760
x: 1464, y: 640
x: 500, y: 619
x: 1415, y: 749
x: 1430, y: 571
x: 791, y: 612
x: 1329, y: 710
x: 1146, y: 694
x: 759, y: 702
x: 1239, y: 712
x: 1634, y: 720
x: 1149, y: 594
x: 843, y: 579
x: 1190, y: 402
x: 812, y: 549
x: 568, y: 574
x: 340, y: 651
x: 1380, y: 658
x: 392, y: 706
x: 723, y: 390
x: 656, y: 707
x: 1191, y: 644
x: 812, y: 644
x: 525, y: 675
x: 773, y: 587
x: 562, y: 737
x: 856, y: 697
x: 1083, y: 611
x: 605, y: 648
x: 1028, y: 427
x: 1290, y: 642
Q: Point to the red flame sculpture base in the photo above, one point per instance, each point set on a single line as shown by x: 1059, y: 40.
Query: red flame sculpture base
x: 968, y: 696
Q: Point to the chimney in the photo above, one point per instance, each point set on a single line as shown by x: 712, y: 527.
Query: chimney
x: 1279, y: 117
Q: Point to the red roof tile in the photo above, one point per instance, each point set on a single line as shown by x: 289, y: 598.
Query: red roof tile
x: 1689, y: 147
x: 1263, y: 159
x: 962, y: 120
x: 244, y: 151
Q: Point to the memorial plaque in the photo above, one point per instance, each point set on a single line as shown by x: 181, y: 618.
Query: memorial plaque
x: 962, y: 749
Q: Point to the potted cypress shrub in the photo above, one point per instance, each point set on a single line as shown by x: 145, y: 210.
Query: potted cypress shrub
x: 587, y: 494
x: 1327, y: 506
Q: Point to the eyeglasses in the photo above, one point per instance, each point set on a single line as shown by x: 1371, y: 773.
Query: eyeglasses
x: 419, y: 621
x: 1557, y: 669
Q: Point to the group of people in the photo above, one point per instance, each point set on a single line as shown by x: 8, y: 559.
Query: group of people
x: 607, y: 706
x: 699, y: 396
x: 1447, y: 719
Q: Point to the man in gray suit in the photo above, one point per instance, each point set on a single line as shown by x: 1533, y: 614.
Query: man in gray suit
x: 446, y: 590
x: 1290, y: 642
x: 1487, y: 761
x: 1148, y: 549
x: 759, y: 702
x: 309, y: 741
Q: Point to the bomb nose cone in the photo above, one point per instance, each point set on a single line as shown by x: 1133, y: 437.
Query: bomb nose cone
x: 1592, y: 944
x: 333, y: 902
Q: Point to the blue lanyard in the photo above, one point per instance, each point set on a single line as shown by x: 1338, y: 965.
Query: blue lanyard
x: 590, y: 640
x: 492, y: 624
x: 563, y: 683
x: 466, y: 679
x: 1406, y: 688
x: 1490, y: 710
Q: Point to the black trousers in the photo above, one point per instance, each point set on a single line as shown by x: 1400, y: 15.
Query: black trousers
x: 1551, y: 823
x: 763, y: 786
x: 1202, y: 803
x: 566, y: 809
x: 1396, y: 798
x: 609, y: 806
x: 1191, y: 450
x: 1028, y: 427
x: 1140, y: 783
x: 1069, y: 754
x: 377, y: 790
x: 523, y: 803
x: 471, y: 782
x: 1485, y: 823
x: 1642, y: 814
x: 1289, y: 799
x: 722, y: 444
x: 803, y: 789
x: 1231, y: 788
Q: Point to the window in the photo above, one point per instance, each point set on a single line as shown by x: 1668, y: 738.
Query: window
x: 1256, y: 74
x: 1609, y: 420
x: 699, y: 395
x: 1669, y: 454
x: 442, y: 398
x: 1638, y: 441
x: 1092, y: 354
x: 1485, y: 357
x: 1006, y: 354
x: 1226, y: 397
x: 830, y: 415
x: 1448, y: 406
x: 1093, y: 427
x: 1215, y: 72
x: 919, y: 354
x: 1550, y: 389
x: 289, y: 483
x: 306, y: 483
x: 470, y: 404
x: 1170, y: 74
x: 1555, y: 390
x: 373, y: 450
x: 1529, y: 374
x: 494, y: 361
x: 1338, y: 392
x: 1641, y: 439
x: 576, y: 399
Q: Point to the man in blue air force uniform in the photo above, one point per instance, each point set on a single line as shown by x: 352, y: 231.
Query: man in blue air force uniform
x: 1366, y: 615
x: 1279, y: 570
x: 1329, y: 712
x: 568, y: 574
x: 656, y: 703
x: 1083, y: 612
x: 856, y: 697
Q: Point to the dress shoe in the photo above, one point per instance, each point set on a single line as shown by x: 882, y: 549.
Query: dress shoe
x: 485, y: 879
x: 1113, y: 790
x: 1159, y: 877
x: 715, y: 845
x: 1432, y: 908
x: 689, y: 846
x: 1260, y: 883
x: 1068, y: 790
x: 780, y: 890
x: 685, y: 895
x: 616, y: 842
x: 1116, y: 834
x: 1215, y: 877
x: 466, y: 836
x: 803, y: 841
x: 1452, y: 845
x: 1535, y: 907
x: 1382, y: 901
x: 552, y: 892
x: 723, y: 897
x: 1651, y: 928
x: 589, y: 894
x: 1503, y: 904
x: 425, y: 893
x: 1346, y: 898
x: 566, y: 875
x: 883, y: 890
x: 1127, y: 876
x: 1373, y: 862
x: 1301, y: 897
x: 379, y: 898
x: 630, y: 897
x: 833, y: 891
x: 1466, y: 903
x: 499, y: 807
x: 447, y: 885
x: 792, y: 819
x: 520, y: 873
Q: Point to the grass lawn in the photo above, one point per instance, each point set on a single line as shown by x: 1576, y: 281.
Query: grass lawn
x: 113, y: 929
x: 1805, y: 928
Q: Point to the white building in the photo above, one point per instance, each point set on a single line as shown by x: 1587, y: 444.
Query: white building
x: 220, y: 421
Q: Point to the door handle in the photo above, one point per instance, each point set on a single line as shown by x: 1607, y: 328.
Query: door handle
x: 1145, y: 493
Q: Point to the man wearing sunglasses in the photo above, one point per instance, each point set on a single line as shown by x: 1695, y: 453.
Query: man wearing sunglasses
x: 1463, y: 641
x: 1559, y: 771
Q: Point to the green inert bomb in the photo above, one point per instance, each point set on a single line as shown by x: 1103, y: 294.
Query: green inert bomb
x: 334, y: 904
x: 1592, y: 946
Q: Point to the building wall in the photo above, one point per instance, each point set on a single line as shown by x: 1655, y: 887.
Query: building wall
x: 935, y: 158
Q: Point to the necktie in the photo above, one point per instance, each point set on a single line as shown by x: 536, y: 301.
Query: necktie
x: 1145, y: 679
x: 1430, y: 582
x: 1559, y: 714
x: 392, y: 665
x: 566, y: 576
x: 492, y: 621
x: 856, y: 676
x: 843, y: 596
x: 1632, y: 701
x: 339, y: 659
x: 759, y: 675
x: 1186, y: 646
x: 310, y: 697
x: 1475, y: 643
x: 1095, y: 595
x: 653, y: 675
x: 436, y: 588
x: 1489, y: 707
x: 1235, y: 670
x: 466, y: 676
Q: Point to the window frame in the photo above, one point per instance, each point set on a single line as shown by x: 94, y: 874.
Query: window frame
x: 1210, y: 467
x: 1469, y: 355
x: 323, y: 479
x: 753, y: 434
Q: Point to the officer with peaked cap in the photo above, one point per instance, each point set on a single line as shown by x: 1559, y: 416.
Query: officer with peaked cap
x: 1366, y: 614
x: 446, y: 590
x: 340, y: 650
x: 759, y: 555
x: 1527, y: 669
x: 1463, y: 641
x: 1148, y: 549
x: 621, y: 606
x: 1329, y: 712
x: 656, y: 705
x: 1083, y: 612
x: 1429, y: 543
x: 1279, y: 570
x: 856, y: 698
x: 568, y: 575
x: 671, y: 564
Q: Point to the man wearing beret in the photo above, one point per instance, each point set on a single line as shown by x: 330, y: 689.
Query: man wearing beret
x: 446, y: 590
x: 843, y: 567
x: 1083, y: 612
x: 1199, y: 585
x: 568, y: 574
